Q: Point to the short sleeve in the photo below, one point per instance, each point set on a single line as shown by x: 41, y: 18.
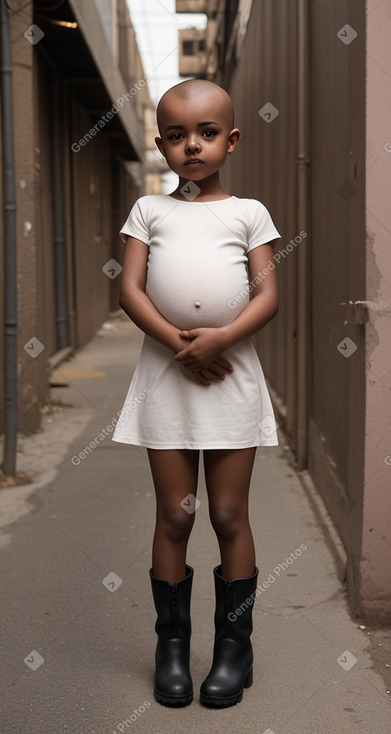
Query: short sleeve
x: 136, y: 224
x: 261, y: 228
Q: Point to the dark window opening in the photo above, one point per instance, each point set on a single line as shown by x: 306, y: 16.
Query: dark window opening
x: 188, y: 48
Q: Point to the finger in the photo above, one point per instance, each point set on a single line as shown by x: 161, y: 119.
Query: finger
x: 210, y: 375
x: 221, y: 369
x: 182, y: 354
x: 217, y: 370
x: 201, y: 377
x: 193, y: 367
x: 192, y: 364
x: 221, y: 362
x: 189, y: 333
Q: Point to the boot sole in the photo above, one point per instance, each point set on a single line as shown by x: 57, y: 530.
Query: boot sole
x: 176, y: 701
x: 217, y: 702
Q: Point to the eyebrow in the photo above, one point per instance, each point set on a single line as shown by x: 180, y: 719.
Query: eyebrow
x: 199, y: 124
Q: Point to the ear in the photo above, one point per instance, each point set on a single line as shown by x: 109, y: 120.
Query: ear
x: 233, y: 139
x: 159, y: 143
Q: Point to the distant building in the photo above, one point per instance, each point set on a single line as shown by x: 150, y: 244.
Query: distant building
x: 192, y: 6
x: 192, y: 52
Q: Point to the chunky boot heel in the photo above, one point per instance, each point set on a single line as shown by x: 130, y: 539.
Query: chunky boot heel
x: 249, y: 680
x: 232, y: 666
x: 173, y: 684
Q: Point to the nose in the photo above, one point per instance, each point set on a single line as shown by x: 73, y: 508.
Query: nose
x: 192, y: 145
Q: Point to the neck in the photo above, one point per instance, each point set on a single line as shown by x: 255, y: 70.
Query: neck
x: 210, y: 189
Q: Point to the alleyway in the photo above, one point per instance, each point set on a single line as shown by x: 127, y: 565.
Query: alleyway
x: 77, y: 621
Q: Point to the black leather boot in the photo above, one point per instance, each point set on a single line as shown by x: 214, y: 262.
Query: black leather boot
x: 173, y: 684
x: 232, y: 666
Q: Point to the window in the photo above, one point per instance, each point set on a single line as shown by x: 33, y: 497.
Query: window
x: 188, y: 48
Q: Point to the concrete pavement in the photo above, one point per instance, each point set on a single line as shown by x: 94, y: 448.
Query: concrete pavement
x: 77, y: 619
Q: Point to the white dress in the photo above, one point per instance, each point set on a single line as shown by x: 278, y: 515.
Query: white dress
x: 198, y: 276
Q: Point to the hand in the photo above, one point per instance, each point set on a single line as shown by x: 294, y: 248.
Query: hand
x: 205, y: 348
x: 216, y: 371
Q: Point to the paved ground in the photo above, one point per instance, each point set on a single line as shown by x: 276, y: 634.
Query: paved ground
x: 77, y: 621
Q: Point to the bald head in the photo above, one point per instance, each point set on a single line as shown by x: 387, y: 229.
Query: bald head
x: 197, y: 88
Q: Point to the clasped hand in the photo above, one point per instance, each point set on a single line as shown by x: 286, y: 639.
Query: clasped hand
x: 202, y: 356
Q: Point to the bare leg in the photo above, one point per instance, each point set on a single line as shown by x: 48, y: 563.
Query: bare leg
x: 228, y: 476
x: 175, y: 475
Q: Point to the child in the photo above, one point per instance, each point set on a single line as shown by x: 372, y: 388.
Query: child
x: 190, y: 262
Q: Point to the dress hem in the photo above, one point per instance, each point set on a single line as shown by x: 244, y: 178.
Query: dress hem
x: 195, y: 447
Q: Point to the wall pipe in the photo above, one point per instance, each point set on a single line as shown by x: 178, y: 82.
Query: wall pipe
x: 10, y: 254
x: 59, y: 241
x: 303, y: 223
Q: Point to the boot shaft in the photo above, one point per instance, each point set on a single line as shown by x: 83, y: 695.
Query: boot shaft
x: 234, y: 605
x: 172, y: 604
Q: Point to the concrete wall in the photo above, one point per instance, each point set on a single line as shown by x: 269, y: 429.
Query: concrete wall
x: 337, y: 412
x: 31, y: 383
x: 375, y: 591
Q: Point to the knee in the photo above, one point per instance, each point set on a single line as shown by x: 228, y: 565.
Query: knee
x: 178, y: 525
x: 225, y: 522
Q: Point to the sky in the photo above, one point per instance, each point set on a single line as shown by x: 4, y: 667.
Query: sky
x: 156, y: 24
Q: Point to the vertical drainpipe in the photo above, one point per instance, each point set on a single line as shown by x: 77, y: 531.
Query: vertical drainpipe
x: 10, y: 262
x: 303, y: 222
x: 59, y: 241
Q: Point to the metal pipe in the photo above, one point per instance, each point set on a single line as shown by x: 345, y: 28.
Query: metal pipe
x: 10, y: 262
x: 59, y: 241
x: 303, y: 220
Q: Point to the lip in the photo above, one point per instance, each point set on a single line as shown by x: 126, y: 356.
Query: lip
x: 193, y: 162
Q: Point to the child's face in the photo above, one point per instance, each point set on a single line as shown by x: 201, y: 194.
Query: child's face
x: 196, y: 134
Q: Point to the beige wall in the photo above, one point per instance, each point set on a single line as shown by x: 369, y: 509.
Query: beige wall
x: 375, y: 564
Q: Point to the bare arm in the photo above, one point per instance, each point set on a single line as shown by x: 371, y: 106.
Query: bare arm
x: 207, y: 343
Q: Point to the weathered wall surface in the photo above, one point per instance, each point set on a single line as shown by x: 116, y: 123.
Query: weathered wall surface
x: 375, y: 591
